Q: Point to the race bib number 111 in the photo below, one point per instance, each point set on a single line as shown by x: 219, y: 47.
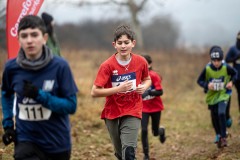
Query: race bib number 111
x: 33, y: 112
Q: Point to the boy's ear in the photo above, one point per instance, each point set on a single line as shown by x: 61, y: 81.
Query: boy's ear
x: 134, y: 43
x: 114, y: 44
x: 45, y: 37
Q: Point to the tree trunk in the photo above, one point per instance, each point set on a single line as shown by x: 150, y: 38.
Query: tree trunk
x: 134, y: 9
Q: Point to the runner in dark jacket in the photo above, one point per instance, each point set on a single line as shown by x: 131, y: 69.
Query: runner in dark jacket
x: 233, y: 57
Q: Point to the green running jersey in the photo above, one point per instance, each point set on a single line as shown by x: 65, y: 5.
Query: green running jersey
x: 219, y: 78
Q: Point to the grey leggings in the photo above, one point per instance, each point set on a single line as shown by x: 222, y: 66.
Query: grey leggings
x: 124, y: 133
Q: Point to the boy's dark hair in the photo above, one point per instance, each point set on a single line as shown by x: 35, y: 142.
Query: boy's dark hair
x: 31, y: 21
x: 238, y: 35
x: 123, y: 30
x: 47, y: 18
x: 238, y: 40
x: 148, y: 58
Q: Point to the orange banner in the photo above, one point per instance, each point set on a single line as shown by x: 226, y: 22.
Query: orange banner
x: 16, y: 10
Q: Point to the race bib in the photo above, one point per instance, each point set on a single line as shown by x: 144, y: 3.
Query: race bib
x: 118, y: 79
x: 218, y: 86
x: 33, y: 112
x: 148, y: 97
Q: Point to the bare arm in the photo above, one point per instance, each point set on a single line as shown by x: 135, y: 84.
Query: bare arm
x: 103, y: 92
x: 141, y: 88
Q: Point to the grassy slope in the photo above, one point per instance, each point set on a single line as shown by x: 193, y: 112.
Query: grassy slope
x: 186, y: 118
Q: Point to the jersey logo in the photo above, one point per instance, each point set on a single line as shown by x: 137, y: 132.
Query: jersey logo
x: 48, y: 85
x: 115, y: 72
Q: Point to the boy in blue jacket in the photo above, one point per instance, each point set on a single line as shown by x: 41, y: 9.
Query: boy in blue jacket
x: 41, y: 89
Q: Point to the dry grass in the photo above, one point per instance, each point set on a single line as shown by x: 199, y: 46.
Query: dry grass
x: 186, y: 117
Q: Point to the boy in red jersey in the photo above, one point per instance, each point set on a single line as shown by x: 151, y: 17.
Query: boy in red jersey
x: 152, y: 107
x: 122, y: 79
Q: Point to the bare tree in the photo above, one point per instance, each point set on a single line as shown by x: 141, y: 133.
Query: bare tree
x: 2, y: 24
x: 2, y: 13
x: 134, y: 6
x: 135, y: 9
x: 161, y: 34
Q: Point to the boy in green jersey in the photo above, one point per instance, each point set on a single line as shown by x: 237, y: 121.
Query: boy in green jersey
x: 217, y: 79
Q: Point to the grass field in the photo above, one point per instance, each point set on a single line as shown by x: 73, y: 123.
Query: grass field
x: 186, y: 118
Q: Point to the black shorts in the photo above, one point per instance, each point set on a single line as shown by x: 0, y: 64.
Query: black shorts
x: 30, y: 151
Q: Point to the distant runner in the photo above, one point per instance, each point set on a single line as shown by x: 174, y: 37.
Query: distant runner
x: 52, y: 41
x: 152, y: 108
x: 217, y: 79
x: 233, y: 56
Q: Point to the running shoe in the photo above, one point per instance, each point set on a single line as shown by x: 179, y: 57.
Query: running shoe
x: 146, y: 157
x: 162, y: 134
x: 217, y: 138
x: 222, y: 143
x: 229, y: 123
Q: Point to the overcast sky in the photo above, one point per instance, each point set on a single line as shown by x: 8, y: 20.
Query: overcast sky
x: 202, y: 22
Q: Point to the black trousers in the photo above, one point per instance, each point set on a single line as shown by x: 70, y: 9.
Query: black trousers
x: 30, y: 151
x: 218, y: 117
x: 237, y: 86
x: 155, y: 118
x: 228, y: 109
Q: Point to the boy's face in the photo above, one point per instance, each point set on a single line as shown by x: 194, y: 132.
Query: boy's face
x: 217, y: 63
x: 32, y: 40
x: 124, y: 45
